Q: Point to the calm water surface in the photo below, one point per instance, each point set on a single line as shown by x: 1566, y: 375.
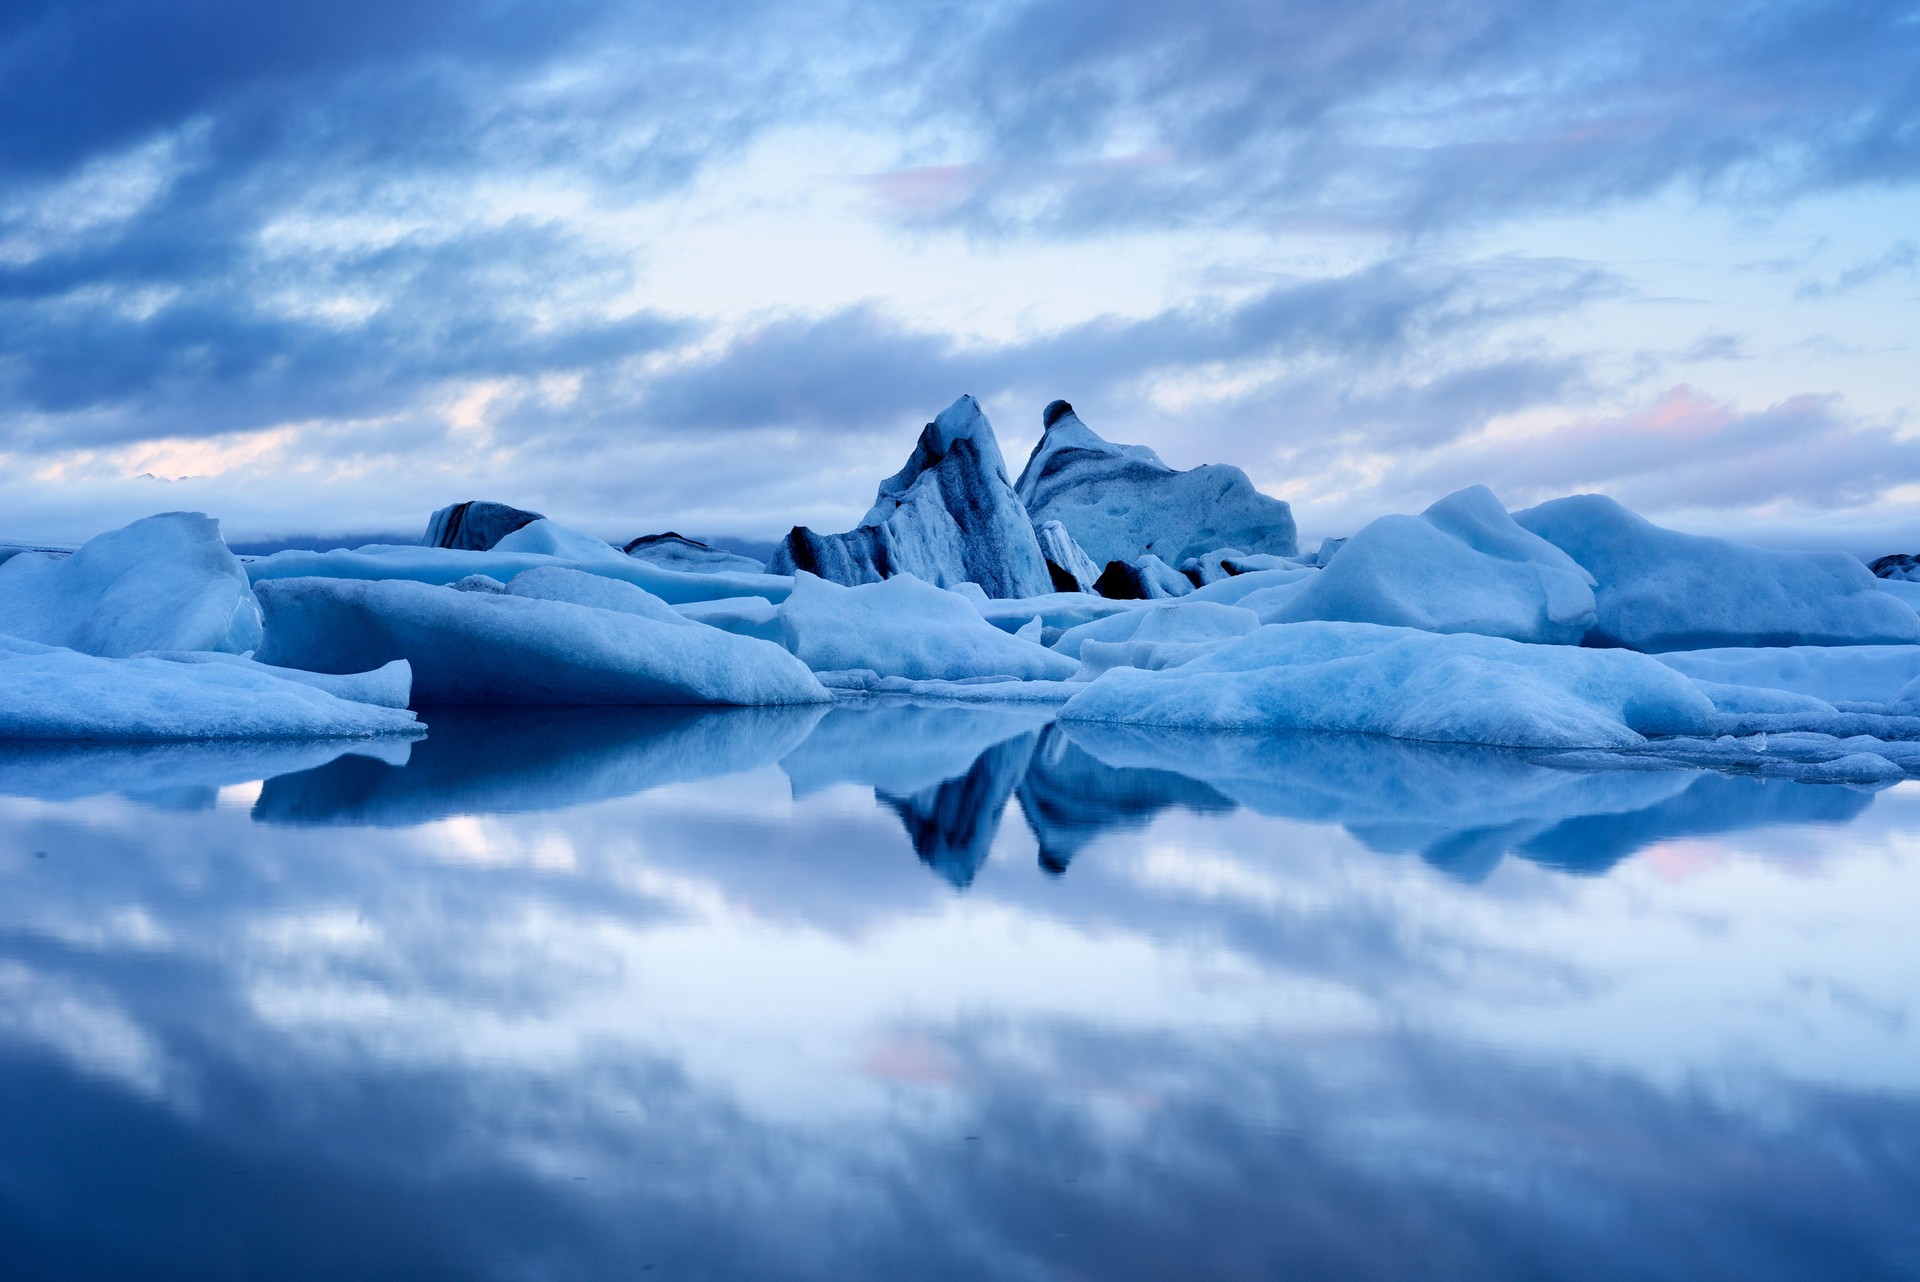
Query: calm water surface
x: 901, y: 992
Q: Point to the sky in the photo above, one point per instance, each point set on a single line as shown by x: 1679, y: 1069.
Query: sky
x: 319, y: 268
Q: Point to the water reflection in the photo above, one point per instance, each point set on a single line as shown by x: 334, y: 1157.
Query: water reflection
x: 666, y: 995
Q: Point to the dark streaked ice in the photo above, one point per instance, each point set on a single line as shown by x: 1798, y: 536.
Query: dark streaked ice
x: 896, y: 990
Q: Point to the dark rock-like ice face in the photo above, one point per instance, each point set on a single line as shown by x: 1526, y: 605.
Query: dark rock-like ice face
x: 1900, y: 566
x: 1120, y: 502
x: 949, y: 517
x: 475, y: 525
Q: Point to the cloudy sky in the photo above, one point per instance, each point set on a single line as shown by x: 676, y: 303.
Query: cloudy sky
x: 317, y: 268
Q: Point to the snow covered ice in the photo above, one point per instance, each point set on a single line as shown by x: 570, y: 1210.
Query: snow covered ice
x: 901, y: 627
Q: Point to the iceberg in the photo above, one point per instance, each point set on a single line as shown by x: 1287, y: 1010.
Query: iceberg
x: 389, y: 686
x: 166, y: 582
x: 1158, y: 637
x: 948, y: 517
x: 475, y: 526
x: 1657, y: 589
x: 1407, y: 684
x: 1899, y: 567
x: 1120, y: 502
x: 442, y: 566
x: 1463, y: 565
x: 503, y: 648
x: 677, y: 552
x: 48, y: 692
x: 902, y: 627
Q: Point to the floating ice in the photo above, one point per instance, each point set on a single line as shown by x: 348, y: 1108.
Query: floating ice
x: 388, y: 686
x: 1146, y: 579
x: 47, y: 692
x: 475, y: 525
x: 1852, y: 674
x: 550, y: 538
x: 1658, y: 589
x: 166, y: 582
x: 676, y: 552
x: 1460, y: 566
x: 1455, y: 688
x: 948, y: 517
x: 902, y: 627
x: 446, y: 565
x: 472, y: 647
x: 1120, y: 502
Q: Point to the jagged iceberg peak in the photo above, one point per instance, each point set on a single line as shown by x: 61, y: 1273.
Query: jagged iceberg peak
x: 949, y: 516
x: 1122, y: 503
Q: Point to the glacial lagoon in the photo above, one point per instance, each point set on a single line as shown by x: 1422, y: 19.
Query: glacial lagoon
x: 886, y: 990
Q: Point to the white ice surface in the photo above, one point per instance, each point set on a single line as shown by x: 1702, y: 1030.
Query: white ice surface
x: 475, y: 647
x: 47, y: 692
x: 1453, y: 688
x: 166, y: 582
x: 388, y: 686
x: 1460, y: 566
x: 1836, y: 674
x: 902, y: 627
x: 550, y: 538
x: 1658, y: 589
x: 747, y: 616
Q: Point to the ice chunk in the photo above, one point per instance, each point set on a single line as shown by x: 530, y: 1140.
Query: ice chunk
x: 469, y: 647
x: 1460, y: 566
x: 1658, y: 589
x: 1147, y: 579
x: 1454, y: 688
x: 562, y: 583
x: 1235, y: 590
x: 166, y: 582
x: 677, y: 552
x: 474, y: 526
x: 549, y: 538
x: 47, y: 692
x: 389, y: 686
x: 446, y: 566
x: 1071, y: 568
x: 948, y: 517
x: 1120, y: 502
x: 747, y: 616
x: 1836, y: 674
x: 1189, y: 621
x: 902, y: 627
